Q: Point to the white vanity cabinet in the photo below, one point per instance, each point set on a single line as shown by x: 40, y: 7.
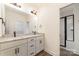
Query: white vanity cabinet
x: 15, y: 51
x: 14, y: 48
x: 22, y: 47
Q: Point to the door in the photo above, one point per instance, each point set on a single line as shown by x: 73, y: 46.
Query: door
x: 37, y: 50
x: 62, y: 31
x: 8, y: 52
x: 70, y: 28
x: 21, y: 50
x: 39, y: 44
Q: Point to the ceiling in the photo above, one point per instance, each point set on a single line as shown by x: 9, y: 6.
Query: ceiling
x: 40, y: 5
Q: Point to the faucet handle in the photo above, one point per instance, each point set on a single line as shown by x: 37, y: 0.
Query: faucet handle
x: 14, y: 33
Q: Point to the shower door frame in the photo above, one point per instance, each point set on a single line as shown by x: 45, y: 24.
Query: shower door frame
x: 65, y: 23
x: 64, y: 31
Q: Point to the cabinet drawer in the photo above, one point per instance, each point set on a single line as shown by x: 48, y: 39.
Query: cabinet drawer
x: 31, y: 53
x: 11, y: 44
x: 31, y: 47
x: 31, y: 43
x: 30, y: 40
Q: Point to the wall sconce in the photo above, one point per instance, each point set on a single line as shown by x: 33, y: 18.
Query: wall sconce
x: 17, y: 5
x: 34, y: 12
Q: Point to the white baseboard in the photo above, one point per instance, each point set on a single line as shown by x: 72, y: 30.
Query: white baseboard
x: 49, y: 52
x: 53, y: 54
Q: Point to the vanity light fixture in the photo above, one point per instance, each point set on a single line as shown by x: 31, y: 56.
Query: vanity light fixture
x: 34, y: 12
x: 17, y: 5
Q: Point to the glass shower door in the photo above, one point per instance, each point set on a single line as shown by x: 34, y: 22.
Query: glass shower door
x: 70, y: 28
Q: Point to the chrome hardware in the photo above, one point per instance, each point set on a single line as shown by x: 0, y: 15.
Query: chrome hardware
x: 31, y: 45
x: 40, y: 41
x: 16, y: 50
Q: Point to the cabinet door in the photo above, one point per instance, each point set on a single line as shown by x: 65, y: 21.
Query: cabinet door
x: 37, y: 50
x: 8, y: 52
x: 39, y: 44
x: 22, y: 50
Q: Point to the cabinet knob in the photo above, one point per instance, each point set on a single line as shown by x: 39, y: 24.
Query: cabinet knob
x: 32, y: 39
x: 16, y: 50
x: 40, y: 41
x: 31, y: 45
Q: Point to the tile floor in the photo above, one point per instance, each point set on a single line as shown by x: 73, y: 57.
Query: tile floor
x: 64, y: 52
x: 43, y: 53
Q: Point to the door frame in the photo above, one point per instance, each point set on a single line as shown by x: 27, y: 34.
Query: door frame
x: 65, y: 33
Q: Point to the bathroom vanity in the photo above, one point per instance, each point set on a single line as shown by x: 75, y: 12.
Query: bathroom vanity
x: 19, y: 21
x: 27, y: 45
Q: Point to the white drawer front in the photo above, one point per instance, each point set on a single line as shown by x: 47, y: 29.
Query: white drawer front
x: 32, y: 52
x: 11, y: 44
x: 31, y: 40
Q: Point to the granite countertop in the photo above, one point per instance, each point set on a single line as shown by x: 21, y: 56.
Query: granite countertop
x: 19, y: 37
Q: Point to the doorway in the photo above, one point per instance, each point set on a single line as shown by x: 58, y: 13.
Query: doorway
x: 66, y: 29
